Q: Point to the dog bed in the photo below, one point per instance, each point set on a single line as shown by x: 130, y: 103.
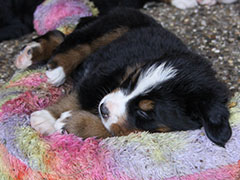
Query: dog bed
x: 26, y: 155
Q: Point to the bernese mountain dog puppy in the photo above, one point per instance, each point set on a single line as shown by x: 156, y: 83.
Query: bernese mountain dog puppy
x: 130, y: 74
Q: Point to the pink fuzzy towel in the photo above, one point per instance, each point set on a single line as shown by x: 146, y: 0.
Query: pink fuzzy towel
x: 61, y: 14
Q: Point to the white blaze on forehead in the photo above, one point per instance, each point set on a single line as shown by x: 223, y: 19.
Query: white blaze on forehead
x: 152, y: 77
x: 148, y: 80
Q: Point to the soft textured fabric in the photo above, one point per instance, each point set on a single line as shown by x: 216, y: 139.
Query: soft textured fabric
x: 61, y: 14
x: 25, y: 154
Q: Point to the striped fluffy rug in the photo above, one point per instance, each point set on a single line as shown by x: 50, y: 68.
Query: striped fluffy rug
x: 26, y: 155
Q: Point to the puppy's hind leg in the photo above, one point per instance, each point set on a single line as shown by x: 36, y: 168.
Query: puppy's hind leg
x: 44, y: 120
x: 39, y: 50
x: 65, y: 61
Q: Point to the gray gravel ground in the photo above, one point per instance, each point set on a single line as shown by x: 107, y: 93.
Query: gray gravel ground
x: 213, y: 31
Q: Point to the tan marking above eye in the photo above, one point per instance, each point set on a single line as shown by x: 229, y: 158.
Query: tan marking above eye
x: 130, y: 70
x: 115, y: 90
x: 146, y: 105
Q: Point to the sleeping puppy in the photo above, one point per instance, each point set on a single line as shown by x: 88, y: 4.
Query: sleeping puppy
x: 130, y: 75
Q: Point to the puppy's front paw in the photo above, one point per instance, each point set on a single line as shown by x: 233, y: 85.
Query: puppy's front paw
x: 56, y: 76
x: 184, y: 4
x: 59, y: 125
x: 43, y: 122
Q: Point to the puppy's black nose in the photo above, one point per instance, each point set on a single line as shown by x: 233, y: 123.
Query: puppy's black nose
x: 104, y: 111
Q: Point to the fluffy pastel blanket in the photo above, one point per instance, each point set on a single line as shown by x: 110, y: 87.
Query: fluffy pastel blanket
x: 26, y: 155
x: 62, y: 15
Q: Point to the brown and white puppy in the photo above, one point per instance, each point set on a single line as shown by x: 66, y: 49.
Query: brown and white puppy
x: 130, y: 74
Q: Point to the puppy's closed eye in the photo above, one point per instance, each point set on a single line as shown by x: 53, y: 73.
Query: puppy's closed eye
x: 142, y: 114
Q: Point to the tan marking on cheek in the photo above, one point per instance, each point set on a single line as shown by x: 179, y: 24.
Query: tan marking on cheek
x: 163, y: 129
x: 146, y: 105
x: 121, y: 128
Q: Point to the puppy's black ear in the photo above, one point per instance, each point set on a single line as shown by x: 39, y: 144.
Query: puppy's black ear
x: 216, y: 124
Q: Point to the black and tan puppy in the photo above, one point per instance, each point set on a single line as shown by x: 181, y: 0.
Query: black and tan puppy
x: 130, y: 75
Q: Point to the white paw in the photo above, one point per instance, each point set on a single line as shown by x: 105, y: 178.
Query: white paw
x: 207, y: 2
x: 227, y: 1
x: 24, y: 59
x: 184, y: 4
x: 56, y: 76
x: 60, y: 121
x: 43, y: 122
